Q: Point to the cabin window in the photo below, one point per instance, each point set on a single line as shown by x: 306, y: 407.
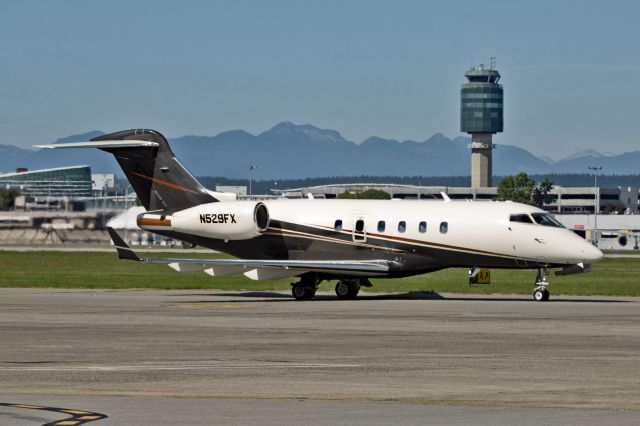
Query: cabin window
x: 522, y: 218
x: 359, y: 225
x: 338, y: 225
x: 402, y: 226
x: 381, y: 226
x: 422, y: 227
x: 546, y: 219
x: 444, y: 227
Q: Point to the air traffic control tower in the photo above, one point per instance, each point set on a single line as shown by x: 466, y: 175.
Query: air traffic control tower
x: 481, y: 101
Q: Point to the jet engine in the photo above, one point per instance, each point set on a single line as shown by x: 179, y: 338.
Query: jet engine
x: 233, y: 220
x: 623, y: 240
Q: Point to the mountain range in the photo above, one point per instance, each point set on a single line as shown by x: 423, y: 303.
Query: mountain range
x: 289, y: 151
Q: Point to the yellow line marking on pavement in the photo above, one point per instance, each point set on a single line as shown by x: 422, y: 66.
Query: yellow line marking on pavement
x: 34, y: 407
x: 79, y: 417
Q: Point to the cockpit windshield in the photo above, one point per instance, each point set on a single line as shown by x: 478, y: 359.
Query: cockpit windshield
x: 522, y: 218
x: 545, y: 219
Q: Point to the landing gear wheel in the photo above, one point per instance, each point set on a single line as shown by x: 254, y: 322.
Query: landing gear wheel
x: 541, y: 294
x: 303, y: 292
x: 306, y: 288
x: 347, y: 289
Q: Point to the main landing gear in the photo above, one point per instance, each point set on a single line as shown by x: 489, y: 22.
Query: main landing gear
x: 306, y: 288
x: 348, y: 289
x: 540, y: 293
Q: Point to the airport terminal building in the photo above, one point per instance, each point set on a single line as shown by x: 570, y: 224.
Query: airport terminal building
x: 59, y: 182
x: 64, y: 188
x: 565, y: 200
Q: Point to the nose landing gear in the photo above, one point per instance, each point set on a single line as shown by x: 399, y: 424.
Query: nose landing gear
x: 540, y: 293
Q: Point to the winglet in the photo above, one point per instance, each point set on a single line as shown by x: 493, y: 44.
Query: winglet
x: 124, y: 252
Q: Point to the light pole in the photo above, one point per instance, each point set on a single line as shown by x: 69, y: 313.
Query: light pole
x: 596, y: 194
x: 251, y: 169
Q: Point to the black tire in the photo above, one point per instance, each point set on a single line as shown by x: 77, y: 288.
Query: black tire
x: 354, y: 289
x: 347, y: 289
x: 546, y: 295
x: 342, y: 290
x: 302, y: 292
x: 540, y: 295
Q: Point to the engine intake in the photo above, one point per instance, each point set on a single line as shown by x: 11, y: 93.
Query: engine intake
x: 261, y: 217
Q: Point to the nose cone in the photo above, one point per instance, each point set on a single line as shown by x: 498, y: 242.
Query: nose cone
x: 591, y: 254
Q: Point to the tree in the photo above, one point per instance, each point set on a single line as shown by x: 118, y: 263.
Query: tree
x: 8, y: 198
x: 369, y: 194
x: 519, y: 189
x: 541, y: 194
x: 618, y: 208
x: 522, y: 189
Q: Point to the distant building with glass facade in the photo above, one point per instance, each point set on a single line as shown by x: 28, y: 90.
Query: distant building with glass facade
x: 69, y: 182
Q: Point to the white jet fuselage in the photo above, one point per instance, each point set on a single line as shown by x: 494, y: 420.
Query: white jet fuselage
x: 452, y: 233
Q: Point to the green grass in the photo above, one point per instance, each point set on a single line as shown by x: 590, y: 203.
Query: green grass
x: 619, y: 277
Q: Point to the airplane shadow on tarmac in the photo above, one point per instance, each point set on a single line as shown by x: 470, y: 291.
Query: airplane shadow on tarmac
x: 269, y: 296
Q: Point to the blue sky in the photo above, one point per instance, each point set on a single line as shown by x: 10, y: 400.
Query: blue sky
x: 571, y: 69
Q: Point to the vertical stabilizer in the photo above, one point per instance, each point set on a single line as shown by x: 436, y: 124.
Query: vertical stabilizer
x: 158, y: 178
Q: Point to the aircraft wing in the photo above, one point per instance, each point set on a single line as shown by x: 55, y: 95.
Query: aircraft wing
x: 257, y: 269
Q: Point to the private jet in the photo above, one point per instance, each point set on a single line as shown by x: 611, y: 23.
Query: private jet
x: 348, y: 241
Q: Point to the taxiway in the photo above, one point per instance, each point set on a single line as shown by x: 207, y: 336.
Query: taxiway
x: 203, y: 357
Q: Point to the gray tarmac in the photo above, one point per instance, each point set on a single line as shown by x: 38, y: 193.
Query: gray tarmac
x: 213, y: 357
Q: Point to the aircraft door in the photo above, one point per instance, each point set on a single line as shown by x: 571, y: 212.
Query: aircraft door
x: 359, y: 229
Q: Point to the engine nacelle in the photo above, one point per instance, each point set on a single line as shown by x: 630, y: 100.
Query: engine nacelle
x: 233, y: 220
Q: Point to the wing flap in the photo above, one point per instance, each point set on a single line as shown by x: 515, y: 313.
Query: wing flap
x: 225, y: 271
x: 259, y: 274
x: 379, y: 266
x: 188, y: 267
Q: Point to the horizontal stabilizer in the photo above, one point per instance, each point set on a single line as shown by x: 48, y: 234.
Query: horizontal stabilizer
x: 102, y: 144
x: 158, y: 178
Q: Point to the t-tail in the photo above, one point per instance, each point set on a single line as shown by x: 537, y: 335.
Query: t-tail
x: 159, y: 179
